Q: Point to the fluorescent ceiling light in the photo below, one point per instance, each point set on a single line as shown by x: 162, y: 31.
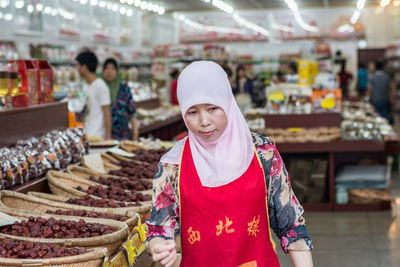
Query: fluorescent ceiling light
x: 19, y: 4
x: 223, y: 6
x: 361, y: 4
x: 355, y: 17
x: 346, y: 28
x: 304, y: 25
x: 203, y: 27
x: 282, y: 27
x: 384, y: 3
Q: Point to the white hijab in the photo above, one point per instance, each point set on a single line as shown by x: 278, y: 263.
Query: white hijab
x: 205, y: 82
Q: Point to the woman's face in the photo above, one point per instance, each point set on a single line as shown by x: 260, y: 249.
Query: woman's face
x: 110, y: 72
x: 206, y: 121
x: 241, y: 73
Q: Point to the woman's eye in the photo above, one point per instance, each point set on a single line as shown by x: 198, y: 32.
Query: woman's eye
x: 212, y: 108
x: 191, y: 112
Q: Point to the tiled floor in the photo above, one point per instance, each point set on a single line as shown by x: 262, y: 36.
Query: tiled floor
x: 355, y: 239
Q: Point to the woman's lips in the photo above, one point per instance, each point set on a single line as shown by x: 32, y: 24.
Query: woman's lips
x: 207, y: 133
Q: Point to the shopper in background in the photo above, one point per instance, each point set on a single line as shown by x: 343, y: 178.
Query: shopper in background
x: 173, y: 86
x: 222, y: 187
x: 381, y: 92
x: 243, y: 89
x: 97, y: 114
x: 345, y: 78
x: 362, y: 79
x: 123, y: 107
x: 292, y: 76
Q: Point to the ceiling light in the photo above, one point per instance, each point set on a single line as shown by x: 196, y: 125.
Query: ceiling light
x: 250, y: 25
x: 282, y: 27
x: 83, y: 2
x: 122, y: 10
x: 4, y: 3
x: 109, y: 6
x: 29, y: 8
x: 47, y: 10
x: 355, y: 17
x: 54, y: 12
x: 361, y: 4
x: 223, y: 6
x: 129, y: 12
x: 19, y: 4
x: 122, y: 1
x: 8, y: 16
x: 292, y: 5
x: 161, y: 11
x: 130, y: 2
x: 137, y: 3
x: 304, y: 25
x: 143, y: 5
x: 94, y: 2
x: 384, y: 3
x: 115, y: 7
x: 102, y: 4
x: 39, y: 7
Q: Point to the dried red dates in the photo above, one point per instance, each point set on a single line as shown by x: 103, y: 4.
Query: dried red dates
x: 10, y: 248
x: 100, y: 203
x: 91, y: 214
x: 115, y: 193
x: 52, y: 228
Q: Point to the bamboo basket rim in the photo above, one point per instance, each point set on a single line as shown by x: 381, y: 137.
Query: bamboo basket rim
x: 121, y: 158
x: 120, y: 234
x: 53, y: 205
x: 53, y: 181
x: 143, y: 208
x: 73, y: 169
x: 92, y: 254
x: 126, y: 143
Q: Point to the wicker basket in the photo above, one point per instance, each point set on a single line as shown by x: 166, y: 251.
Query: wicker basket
x: 86, y: 173
x: 365, y: 196
x: 17, y: 200
x: 92, y: 258
x: 131, y: 146
x: 144, y: 209
x: 64, y: 184
x: 111, y: 241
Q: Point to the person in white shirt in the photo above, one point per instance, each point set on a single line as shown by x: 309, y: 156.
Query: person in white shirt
x: 98, y: 114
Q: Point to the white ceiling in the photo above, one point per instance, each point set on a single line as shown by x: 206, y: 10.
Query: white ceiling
x: 187, y: 5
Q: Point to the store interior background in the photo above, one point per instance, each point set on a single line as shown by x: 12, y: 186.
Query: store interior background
x: 150, y: 40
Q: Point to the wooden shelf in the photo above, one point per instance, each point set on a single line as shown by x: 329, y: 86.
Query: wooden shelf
x: 317, y: 207
x: 148, y: 104
x: 22, y: 123
x: 362, y: 207
x: 303, y: 120
x: 165, y: 130
x: 38, y: 185
x: 335, y: 146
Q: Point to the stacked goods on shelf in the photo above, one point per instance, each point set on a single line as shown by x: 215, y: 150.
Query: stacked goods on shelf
x: 20, y: 253
x: 309, y: 178
x: 32, y: 158
x: 302, y: 135
x: 65, y: 230
x: 16, y: 200
x: 361, y: 122
x: 150, y: 116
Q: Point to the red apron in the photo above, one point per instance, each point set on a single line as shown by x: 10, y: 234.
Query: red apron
x: 226, y: 225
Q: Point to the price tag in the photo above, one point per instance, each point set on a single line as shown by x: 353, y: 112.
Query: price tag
x: 119, y: 260
x: 135, y: 245
x: 295, y: 130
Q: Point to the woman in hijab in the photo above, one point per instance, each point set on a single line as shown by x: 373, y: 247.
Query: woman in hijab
x: 123, y: 108
x: 223, y: 187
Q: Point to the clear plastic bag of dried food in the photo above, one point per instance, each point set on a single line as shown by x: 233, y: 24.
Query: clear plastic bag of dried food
x: 23, y: 164
x: 80, y: 131
x: 7, y: 173
x: 77, y: 148
x: 30, y: 156
x: 43, y: 165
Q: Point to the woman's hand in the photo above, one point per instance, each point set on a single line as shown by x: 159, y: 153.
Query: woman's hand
x: 163, y: 251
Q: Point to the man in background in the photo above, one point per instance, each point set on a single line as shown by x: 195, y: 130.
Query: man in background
x: 98, y: 114
x: 381, y: 91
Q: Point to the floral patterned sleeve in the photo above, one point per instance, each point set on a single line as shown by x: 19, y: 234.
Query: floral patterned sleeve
x: 164, y: 219
x: 285, y: 212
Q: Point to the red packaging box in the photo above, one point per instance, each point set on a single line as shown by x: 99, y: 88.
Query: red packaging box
x: 28, y: 86
x: 45, y: 81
